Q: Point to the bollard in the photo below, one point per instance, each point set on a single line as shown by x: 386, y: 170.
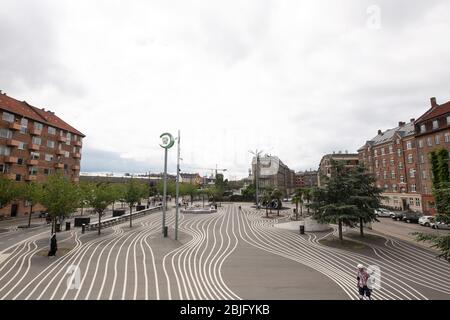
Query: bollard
x: 166, y: 229
x: 83, y: 227
x: 67, y: 226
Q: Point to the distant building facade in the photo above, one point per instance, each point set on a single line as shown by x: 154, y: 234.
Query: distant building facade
x: 349, y: 160
x: 191, y: 178
x: 273, y: 173
x: 306, y: 179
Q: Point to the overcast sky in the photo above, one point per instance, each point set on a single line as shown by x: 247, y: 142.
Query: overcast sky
x: 297, y: 79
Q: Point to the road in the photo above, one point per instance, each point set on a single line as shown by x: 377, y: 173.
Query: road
x: 231, y: 254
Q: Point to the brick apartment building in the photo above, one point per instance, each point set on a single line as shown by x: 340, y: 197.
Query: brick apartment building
x: 306, y: 179
x: 432, y: 130
x: 35, y: 143
x: 349, y: 160
x: 392, y: 157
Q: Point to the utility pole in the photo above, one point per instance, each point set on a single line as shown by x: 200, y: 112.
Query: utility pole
x: 177, y: 187
x: 257, y: 154
x: 167, y: 143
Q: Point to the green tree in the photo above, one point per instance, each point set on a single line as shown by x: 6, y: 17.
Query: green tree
x: 60, y: 196
x: 134, y: 192
x: 100, y: 196
x: 298, y: 199
x: 439, y: 159
x: 336, y: 202
x: 249, y: 193
x: 84, y: 189
x: 9, y: 191
x: 276, y: 195
x: 31, y: 192
x: 265, y: 198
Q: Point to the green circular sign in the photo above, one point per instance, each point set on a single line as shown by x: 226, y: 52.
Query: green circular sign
x: 167, y: 140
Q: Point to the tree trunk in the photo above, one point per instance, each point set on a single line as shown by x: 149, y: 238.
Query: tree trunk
x: 278, y: 211
x: 361, y: 227
x: 82, y: 209
x: 301, y: 210
x: 296, y: 211
x: 99, y: 222
x: 340, y: 230
x: 131, y: 209
x: 267, y: 211
x: 29, y: 218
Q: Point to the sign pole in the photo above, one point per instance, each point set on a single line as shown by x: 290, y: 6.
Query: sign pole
x: 167, y: 143
x: 177, y: 188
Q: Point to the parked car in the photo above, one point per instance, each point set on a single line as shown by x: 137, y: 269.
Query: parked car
x: 398, y: 215
x: 383, y: 213
x: 426, y: 221
x: 43, y: 214
x: 440, y: 225
x: 412, y: 217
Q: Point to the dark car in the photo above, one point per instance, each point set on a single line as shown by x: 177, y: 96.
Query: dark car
x: 398, y: 215
x: 43, y: 214
x: 411, y: 217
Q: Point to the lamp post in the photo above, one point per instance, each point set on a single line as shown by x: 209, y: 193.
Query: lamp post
x: 167, y: 143
x: 177, y: 186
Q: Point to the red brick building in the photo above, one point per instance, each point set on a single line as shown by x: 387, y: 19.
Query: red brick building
x: 35, y: 143
x: 432, y: 130
x: 306, y: 179
x: 349, y: 160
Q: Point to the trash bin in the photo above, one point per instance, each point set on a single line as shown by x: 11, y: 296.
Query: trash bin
x: 67, y: 226
x: 83, y: 228
x: 166, y: 229
x: 302, y: 229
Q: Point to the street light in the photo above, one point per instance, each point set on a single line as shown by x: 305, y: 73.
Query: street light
x: 167, y: 143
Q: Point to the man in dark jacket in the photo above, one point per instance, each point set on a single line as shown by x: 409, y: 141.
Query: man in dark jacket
x: 53, y: 246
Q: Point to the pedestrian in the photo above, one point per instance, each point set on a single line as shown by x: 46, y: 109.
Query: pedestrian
x: 363, y: 278
x: 53, y: 246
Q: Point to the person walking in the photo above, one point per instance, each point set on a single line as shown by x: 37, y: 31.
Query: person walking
x: 53, y: 246
x: 363, y: 278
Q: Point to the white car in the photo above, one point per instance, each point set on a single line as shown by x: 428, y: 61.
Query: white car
x: 383, y: 213
x: 440, y: 225
x: 426, y: 221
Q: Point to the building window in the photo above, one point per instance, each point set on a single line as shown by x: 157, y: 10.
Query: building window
x: 8, y: 116
x: 2, y: 168
x: 417, y: 202
x: 48, y: 157
x: 413, y: 188
x: 420, y: 143
x: 422, y: 158
x: 18, y: 177
x: 376, y: 152
x: 36, y: 140
x: 411, y: 201
x: 448, y: 120
x: 400, y: 165
x: 33, y: 171
x: 51, y: 130
x: 386, y: 187
x: 38, y: 126
x: 391, y: 150
x: 435, y: 124
x: 66, y: 154
x: 392, y: 162
x: 412, y: 173
x: 424, y: 174
x: 397, y: 141
x: 409, y: 145
x: 22, y: 146
x: 384, y: 175
x: 382, y: 151
x: 5, y: 133
x: 437, y: 139
x: 4, y: 151
x: 410, y: 158
x: 50, y: 144
x: 20, y: 161
x: 376, y: 163
x: 429, y: 142
x: 399, y: 152
x: 447, y: 137
x: 423, y: 128
x: 394, y: 187
x: 47, y: 172
x: 34, y: 155
x: 24, y: 125
x: 402, y: 179
x: 392, y: 174
x: 384, y: 163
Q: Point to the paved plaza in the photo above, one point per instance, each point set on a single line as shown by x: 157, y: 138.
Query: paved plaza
x: 231, y: 254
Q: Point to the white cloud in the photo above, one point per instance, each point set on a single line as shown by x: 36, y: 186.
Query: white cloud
x: 295, y: 78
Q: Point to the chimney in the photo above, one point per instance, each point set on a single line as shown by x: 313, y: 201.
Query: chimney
x: 412, y: 120
x: 433, y: 102
x: 379, y: 131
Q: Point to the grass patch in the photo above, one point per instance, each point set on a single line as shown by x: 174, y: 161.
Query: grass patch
x: 368, y: 238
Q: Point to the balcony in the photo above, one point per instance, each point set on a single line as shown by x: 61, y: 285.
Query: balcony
x: 60, y: 152
x: 77, y: 155
x: 75, y: 168
x: 77, y: 143
x: 59, y: 165
x: 30, y: 177
x: 62, y: 139
x: 13, y: 143
x: 15, y: 126
x: 10, y: 159
x: 32, y: 162
x: 34, y: 147
x: 35, y: 132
